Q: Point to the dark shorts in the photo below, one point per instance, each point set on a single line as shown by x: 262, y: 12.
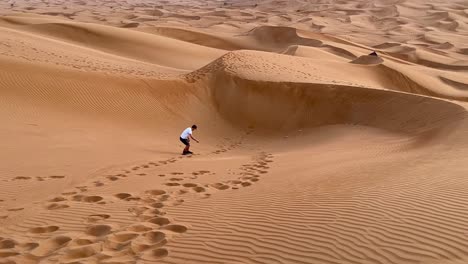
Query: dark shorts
x: 185, y: 141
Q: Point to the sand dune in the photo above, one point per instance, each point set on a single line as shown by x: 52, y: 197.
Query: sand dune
x: 312, y: 149
x: 167, y: 52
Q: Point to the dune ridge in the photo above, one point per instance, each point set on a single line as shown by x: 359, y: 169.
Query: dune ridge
x: 312, y: 150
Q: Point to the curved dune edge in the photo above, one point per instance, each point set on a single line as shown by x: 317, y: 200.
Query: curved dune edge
x: 248, y: 101
x: 240, y: 99
x: 407, y: 80
x: 325, y: 52
x: 161, y: 51
x: 149, y: 48
x: 235, y: 94
x: 262, y: 38
x: 200, y: 38
x: 289, y: 106
x: 422, y: 57
x: 455, y: 84
x: 281, y: 36
x: 316, y: 66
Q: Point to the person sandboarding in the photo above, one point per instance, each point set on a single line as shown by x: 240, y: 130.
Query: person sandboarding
x: 185, y: 138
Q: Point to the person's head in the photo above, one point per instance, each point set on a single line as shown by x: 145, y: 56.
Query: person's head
x: 194, y: 127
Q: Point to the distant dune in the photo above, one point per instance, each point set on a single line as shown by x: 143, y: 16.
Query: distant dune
x: 330, y: 132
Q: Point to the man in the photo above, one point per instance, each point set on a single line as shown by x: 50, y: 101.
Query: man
x: 185, y: 138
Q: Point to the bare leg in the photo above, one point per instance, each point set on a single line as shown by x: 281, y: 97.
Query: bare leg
x: 186, y: 149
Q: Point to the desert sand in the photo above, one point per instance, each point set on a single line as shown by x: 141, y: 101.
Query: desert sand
x: 311, y: 150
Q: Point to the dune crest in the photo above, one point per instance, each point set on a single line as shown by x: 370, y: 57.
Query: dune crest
x: 329, y: 132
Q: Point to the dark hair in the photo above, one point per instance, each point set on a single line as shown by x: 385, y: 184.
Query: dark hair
x: 194, y: 127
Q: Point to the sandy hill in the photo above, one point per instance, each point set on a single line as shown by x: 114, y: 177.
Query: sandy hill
x: 311, y: 149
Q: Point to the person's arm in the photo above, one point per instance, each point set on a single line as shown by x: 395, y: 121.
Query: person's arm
x: 194, y: 138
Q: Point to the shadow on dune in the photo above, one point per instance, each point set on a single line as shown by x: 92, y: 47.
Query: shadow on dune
x: 287, y: 105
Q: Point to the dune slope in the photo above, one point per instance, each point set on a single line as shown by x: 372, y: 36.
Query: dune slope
x: 311, y: 150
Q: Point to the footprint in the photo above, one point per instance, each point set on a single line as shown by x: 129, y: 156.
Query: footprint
x: 83, y: 241
x: 161, y: 221
x: 177, y: 202
x: 164, y: 197
x: 79, y: 252
x: 98, y: 184
x: 182, y: 192
x: 58, y: 199
x: 57, y: 177
x: 97, y: 217
x: 137, y: 247
x: 141, y: 174
x: 139, y: 228
x: 172, y: 184
x: 199, y: 189
x: 245, y: 184
x: 7, y: 243
x: 155, y: 192
x: 82, y: 188
x: 123, y: 236
x: 6, y: 254
x: 177, y: 173
x: 189, y: 185
x: 29, y: 246
x: 154, y: 212
x: 78, y: 197
x: 155, y: 254
x: 176, y: 179
x: 157, y: 205
x: 56, y: 206
x: 155, y: 237
x: 98, y: 230
x: 175, y: 228
x: 133, y: 198
x: 220, y: 186
x: 22, y: 178
x: 138, y: 210
x: 112, y: 178
x: 88, y: 199
x: 123, y: 196
x: 50, y: 245
x: 15, y: 209
x: 68, y: 193
x: 162, y: 175
x: 45, y: 229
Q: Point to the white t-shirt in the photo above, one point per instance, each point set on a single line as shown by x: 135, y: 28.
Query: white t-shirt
x: 186, y: 133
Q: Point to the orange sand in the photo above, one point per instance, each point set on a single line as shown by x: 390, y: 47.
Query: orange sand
x: 311, y: 150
